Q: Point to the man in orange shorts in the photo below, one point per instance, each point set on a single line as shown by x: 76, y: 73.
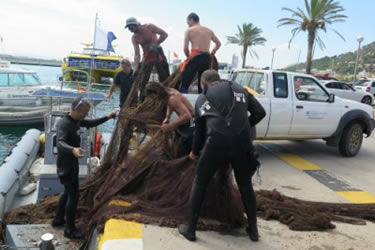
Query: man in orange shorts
x: 199, y: 58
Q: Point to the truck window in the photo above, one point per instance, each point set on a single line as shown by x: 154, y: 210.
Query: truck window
x: 257, y: 83
x: 373, y: 85
x: 307, y: 89
x: 252, y: 80
x: 280, y: 85
x: 4, y: 79
x: 238, y: 77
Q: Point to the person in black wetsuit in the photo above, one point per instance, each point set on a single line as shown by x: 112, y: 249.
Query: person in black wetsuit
x: 222, y: 137
x: 68, y: 152
x: 124, y: 79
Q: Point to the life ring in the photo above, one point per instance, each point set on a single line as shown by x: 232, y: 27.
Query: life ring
x: 98, y: 138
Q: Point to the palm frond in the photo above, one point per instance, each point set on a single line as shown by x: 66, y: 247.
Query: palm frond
x: 337, y: 33
x: 253, y: 53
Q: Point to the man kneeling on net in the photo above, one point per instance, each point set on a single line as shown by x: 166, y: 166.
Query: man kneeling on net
x: 179, y: 104
x: 222, y: 137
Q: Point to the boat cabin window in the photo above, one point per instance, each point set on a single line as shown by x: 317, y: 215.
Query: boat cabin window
x: 21, y: 79
x: 4, y: 79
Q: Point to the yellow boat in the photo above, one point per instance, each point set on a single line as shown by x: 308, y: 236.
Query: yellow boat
x: 106, y: 66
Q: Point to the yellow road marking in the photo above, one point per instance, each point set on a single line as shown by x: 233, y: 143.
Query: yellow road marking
x: 297, y: 162
x: 116, y: 229
x: 358, y: 196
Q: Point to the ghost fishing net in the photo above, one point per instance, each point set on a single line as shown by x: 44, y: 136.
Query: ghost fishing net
x: 144, y: 177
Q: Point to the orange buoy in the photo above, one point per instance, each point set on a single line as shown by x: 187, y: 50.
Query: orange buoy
x: 98, y: 138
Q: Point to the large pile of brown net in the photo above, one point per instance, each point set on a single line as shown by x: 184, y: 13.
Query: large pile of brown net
x: 151, y: 183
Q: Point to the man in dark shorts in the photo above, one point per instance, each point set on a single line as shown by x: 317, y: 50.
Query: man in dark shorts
x: 124, y: 79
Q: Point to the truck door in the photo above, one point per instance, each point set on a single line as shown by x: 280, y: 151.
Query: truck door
x: 313, y: 114
x: 281, y: 104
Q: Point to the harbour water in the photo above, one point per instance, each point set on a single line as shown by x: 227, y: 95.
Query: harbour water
x: 9, y: 136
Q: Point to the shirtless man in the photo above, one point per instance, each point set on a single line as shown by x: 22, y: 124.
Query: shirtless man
x: 178, y: 103
x: 199, y: 58
x: 146, y: 36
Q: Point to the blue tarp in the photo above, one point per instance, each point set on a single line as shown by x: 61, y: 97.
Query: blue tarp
x: 69, y: 94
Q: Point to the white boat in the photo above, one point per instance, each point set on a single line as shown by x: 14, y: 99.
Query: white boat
x: 17, y: 86
x: 24, y: 99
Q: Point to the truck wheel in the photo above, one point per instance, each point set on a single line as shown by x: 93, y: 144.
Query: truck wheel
x: 351, y: 140
x: 367, y: 100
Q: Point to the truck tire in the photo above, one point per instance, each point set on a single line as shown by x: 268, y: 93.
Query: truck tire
x: 367, y: 100
x: 351, y: 140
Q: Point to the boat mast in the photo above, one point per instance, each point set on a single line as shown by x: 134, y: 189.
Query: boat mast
x: 92, y: 55
x: 88, y: 93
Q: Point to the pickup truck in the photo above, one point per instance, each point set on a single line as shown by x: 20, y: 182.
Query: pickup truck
x: 299, y: 107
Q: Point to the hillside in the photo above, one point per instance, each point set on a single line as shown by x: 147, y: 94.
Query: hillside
x: 344, y: 64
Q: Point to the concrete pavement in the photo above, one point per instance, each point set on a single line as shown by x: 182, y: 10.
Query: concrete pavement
x: 287, y: 167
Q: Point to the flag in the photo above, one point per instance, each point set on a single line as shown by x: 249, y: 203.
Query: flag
x: 103, y: 40
x: 175, y: 55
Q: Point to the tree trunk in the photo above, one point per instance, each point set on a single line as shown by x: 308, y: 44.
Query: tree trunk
x: 244, y: 51
x: 310, y: 46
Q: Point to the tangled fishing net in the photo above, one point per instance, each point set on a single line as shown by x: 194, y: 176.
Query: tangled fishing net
x: 151, y: 183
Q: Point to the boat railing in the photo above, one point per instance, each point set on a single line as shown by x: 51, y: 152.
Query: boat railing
x: 78, y: 83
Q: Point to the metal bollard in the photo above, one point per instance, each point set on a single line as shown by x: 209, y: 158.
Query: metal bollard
x: 46, y: 242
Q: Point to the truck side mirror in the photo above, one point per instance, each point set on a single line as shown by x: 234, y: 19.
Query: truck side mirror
x: 331, y: 98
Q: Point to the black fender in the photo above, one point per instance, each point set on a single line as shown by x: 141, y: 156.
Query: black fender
x: 356, y: 115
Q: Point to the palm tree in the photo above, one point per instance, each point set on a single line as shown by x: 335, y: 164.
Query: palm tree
x: 318, y: 15
x: 247, y: 37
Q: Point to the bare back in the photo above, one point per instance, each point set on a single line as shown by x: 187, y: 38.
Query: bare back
x: 179, y: 103
x: 146, y: 36
x: 200, y: 37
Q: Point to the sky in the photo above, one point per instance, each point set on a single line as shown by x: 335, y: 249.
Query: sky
x: 53, y: 28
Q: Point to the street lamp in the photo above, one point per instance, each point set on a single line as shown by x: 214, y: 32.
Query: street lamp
x: 273, y: 54
x: 359, y: 40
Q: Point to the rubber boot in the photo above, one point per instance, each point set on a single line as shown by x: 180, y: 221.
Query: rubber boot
x: 72, y: 232
x: 249, y: 202
x: 59, y: 221
x: 195, y: 203
x: 252, y: 230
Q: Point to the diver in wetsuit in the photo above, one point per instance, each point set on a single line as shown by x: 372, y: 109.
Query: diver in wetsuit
x: 222, y: 137
x: 68, y: 152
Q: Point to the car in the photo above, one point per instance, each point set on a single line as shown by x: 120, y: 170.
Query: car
x: 367, y: 86
x: 299, y: 107
x: 345, y: 90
